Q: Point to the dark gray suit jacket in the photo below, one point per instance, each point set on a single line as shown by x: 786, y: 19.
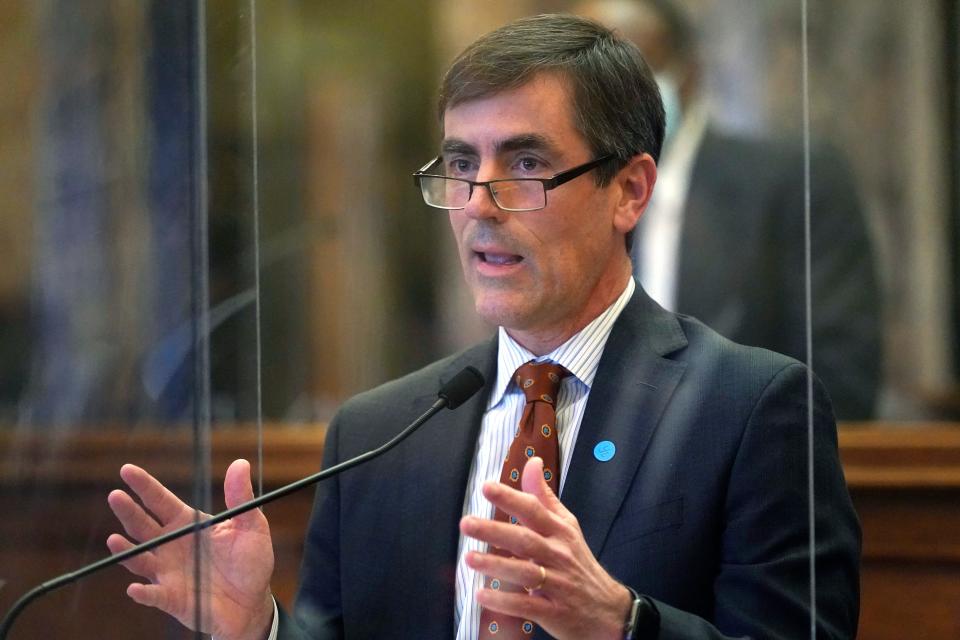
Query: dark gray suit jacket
x: 703, y: 507
x: 741, y: 261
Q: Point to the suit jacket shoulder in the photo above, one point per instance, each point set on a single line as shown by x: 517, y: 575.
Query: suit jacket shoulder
x: 370, y: 418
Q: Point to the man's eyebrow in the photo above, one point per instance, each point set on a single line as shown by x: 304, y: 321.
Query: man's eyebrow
x: 455, y: 146
x: 526, y: 141
x: 521, y: 142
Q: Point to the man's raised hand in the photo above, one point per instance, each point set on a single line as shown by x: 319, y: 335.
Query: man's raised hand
x: 572, y: 595
x: 237, y: 555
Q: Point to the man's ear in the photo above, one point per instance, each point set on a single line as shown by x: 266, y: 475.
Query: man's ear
x: 636, y: 182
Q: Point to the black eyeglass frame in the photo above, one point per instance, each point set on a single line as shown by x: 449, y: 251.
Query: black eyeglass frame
x: 548, y: 183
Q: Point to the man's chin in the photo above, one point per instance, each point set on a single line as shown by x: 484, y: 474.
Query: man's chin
x: 513, y: 312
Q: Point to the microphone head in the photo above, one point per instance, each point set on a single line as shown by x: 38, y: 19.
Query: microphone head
x: 461, y: 387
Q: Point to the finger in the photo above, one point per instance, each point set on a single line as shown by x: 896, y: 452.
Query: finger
x: 237, y: 489
x: 143, y: 565
x: 520, y: 605
x: 532, y: 482
x: 526, y: 507
x: 150, y: 595
x: 514, y: 570
x: 155, y: 497
x: 138, y: 524
x: 520, y: 541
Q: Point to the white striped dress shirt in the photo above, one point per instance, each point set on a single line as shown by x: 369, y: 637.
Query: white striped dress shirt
x: 580, y: 355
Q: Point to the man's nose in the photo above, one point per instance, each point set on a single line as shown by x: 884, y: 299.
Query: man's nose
x: 482, y: 205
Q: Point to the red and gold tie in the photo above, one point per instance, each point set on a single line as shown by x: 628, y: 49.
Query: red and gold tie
x: 535, y: 436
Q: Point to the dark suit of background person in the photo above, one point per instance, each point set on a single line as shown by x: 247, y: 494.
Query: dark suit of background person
x: 703, y: 507
x: 741, y: 261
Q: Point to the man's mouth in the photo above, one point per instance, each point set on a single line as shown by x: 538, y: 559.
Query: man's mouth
x: 498, y: 259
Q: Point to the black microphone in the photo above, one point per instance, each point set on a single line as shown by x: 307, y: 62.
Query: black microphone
x: 454, y: 393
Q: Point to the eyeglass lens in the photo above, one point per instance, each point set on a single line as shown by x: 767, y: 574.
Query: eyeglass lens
x: 448, y: 193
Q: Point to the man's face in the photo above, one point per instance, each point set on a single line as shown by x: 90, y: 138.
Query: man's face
x: 542, y: 273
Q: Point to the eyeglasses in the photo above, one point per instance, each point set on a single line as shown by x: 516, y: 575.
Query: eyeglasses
x: 510, y: 194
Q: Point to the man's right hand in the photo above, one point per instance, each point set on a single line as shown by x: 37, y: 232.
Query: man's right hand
x: 238, y: 556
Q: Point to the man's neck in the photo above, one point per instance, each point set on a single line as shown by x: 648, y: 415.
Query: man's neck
x: 542, y: 341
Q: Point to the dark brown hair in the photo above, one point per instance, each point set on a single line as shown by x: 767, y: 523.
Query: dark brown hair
x: 616, y: 103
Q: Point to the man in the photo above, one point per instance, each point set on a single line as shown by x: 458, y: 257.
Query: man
x: 723, y: 238
x: 681, y: 458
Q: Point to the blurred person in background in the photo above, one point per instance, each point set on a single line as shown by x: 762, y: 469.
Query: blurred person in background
x: 723, y: 237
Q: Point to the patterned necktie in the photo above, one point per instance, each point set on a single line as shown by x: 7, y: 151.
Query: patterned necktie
x: 535, y: 436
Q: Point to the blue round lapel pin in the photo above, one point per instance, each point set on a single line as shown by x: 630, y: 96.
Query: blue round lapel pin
x: 604, y: 451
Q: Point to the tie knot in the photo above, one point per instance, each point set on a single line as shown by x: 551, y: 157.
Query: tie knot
x: 540, y: 381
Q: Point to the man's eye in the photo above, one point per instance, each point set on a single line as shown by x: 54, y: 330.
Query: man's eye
x: 529, y: 165
x: 459, y: 166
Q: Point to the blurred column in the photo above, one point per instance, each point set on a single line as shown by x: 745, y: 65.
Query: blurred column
x: 86, y: 302
x: 19, y: 68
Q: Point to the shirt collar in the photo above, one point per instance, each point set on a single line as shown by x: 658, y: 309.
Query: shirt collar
x: 580, y: 355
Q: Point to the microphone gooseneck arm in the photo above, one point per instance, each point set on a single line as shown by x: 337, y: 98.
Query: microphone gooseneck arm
x: 460, y: 388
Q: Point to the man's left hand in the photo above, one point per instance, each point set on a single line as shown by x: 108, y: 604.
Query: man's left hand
x: 578, y: 598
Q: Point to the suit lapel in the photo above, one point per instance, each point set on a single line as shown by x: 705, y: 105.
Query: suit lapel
x: 439, y: 463
x: 633, y: 385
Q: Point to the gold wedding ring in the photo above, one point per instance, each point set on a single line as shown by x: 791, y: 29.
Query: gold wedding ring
x: 543, y: 580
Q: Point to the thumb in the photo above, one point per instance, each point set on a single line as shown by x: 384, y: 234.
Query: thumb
x: 533, y: 483
x: 238, y: 488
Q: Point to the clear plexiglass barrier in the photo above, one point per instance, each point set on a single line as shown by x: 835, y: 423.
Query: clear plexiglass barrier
x: 212, y: 240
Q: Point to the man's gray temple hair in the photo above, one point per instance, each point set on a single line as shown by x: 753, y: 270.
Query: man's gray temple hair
x: 616, y: 103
